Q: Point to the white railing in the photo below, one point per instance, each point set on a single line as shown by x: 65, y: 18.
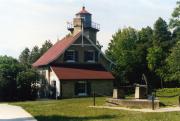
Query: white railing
x: 93, y: 25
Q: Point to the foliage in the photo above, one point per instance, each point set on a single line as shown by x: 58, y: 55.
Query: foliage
x: 10, y: 68
x: 47, y: 44
x: 26, y: 85
x: 175, y: 21
x: 123, y: 50
x: 157, y: 54
x: 161, y: 34
x: 154, y: 57
x: 28, y: 57
x: 24, y: 56
x: 34, y: 54
x: 173, y: 63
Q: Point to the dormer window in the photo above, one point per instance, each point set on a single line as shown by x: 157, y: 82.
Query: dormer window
x: 89, y: 56
x: 70, y: 56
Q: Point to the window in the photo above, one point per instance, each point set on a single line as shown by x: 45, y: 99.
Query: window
x: 81, y: 87
x: 90, y: 56
x: 70, y: 56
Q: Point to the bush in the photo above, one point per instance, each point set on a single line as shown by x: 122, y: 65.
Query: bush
x: 26, y: 85
x: 17, y: 82
x: 168, y: 92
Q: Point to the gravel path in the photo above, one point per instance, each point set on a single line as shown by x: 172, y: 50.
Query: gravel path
x: 14, y: 113
x: 169, y: 109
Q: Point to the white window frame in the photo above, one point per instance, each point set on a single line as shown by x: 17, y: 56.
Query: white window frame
x: 74, y: 58
x: 91, y: 61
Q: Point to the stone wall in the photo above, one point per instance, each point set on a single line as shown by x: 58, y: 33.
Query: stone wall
x: 133, y: 103
x: 102, y: 87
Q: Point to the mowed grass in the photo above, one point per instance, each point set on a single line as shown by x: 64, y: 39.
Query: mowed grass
x: 77, y: 110
x: 169, y: 96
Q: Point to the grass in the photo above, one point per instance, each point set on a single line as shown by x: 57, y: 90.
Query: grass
x: 77, y: 110
x: 169, y: 96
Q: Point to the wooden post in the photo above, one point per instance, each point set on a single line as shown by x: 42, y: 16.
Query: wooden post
x: 152, y: 101
x: 179, y: 101
x: 94, y: 99
x: 154, y: 93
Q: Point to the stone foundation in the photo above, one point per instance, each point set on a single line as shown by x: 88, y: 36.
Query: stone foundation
x: 133, y: 103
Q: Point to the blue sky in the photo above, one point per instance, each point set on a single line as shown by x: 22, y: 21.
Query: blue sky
x: 25, y: 23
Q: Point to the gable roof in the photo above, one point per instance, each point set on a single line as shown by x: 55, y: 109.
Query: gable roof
x: 56, y: 50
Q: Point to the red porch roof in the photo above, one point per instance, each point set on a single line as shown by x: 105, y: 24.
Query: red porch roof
x: 65, y: 73
x: 55, y: 51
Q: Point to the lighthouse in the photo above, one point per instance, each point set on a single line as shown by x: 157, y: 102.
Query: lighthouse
x: 83, y: 22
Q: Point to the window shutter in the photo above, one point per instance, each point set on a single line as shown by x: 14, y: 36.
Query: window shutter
x: 89, y: 88
x: 96, y: 56
x: 76, y: 56
x: 76, y: 88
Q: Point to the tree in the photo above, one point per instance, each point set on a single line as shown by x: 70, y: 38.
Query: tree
x: 144, y: 42
x: 175, y: 23
x: 45, y: 47
x: 16, y: 80
x: 26, y: 84
x: 123, y: 51
x: 9, y: 68
x: 173, y: 64
x: 34, y: 54
x: 175, y: 20
x: 24, y: 56
x: 145, y: 36
x: 157, y: 54
x: 111, y: 51
x: 154, y: 57
x: 161, y: 35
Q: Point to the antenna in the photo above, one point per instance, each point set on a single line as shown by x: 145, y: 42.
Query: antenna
x: 83, y: 2
x: 82, y: 30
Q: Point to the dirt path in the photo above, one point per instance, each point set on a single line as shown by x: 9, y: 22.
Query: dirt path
x: 169, y: 109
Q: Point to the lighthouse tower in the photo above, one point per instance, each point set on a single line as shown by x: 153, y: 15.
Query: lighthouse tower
x: 83, y: 22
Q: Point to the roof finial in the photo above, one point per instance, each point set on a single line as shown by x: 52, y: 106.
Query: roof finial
x: 83, y: 8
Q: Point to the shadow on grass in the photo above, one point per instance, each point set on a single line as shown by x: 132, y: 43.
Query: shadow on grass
x: 69, y: 118
x: 162, y: 104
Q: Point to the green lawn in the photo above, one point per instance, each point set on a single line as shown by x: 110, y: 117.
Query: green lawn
x: 169, y: 96
x: 77, y: 110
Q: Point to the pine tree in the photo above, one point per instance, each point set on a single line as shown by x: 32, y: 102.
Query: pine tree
x: 34, y: 55
x: 48, y: 44
x: 24, y: 56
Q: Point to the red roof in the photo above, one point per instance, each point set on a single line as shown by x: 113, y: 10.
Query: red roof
x: 83, y: 11
x: 65, y: 73
x: 55, y: 51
